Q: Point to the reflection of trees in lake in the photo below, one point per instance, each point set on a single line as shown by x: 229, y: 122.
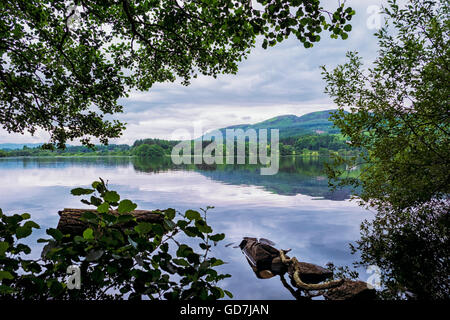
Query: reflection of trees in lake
x: 63, y: 162
x: 152, y: 165
x: 296, y: 175
x: 412, y: 250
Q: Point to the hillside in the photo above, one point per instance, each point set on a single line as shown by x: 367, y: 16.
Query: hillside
x: 17, y: 146
x: 291, y: 125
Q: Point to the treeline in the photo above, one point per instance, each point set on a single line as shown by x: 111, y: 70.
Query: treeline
x: 315, y: 144
x: 98, y: 150
x: 306, y: 145
x: 141, y: 148
x: 165, y: 144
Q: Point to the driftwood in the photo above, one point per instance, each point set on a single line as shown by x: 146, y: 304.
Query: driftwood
x: 351, y: 290
x: 294, y: 271
x: 267, y: 261
x: 263, y: 259
x: 70, y: 222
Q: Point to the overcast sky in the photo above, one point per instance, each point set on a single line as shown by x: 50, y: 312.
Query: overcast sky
x: 285, y: 79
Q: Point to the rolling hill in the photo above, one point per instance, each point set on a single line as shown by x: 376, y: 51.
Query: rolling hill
x: 17, y: 146
x: 292, y: 125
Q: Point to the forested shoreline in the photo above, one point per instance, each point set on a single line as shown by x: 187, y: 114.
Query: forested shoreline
x: 304, y: 145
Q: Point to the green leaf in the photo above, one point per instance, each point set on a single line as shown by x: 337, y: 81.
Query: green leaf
x: 202, y: 226
x: 143, y: 228
x: 217, y: 292
x: 265, y: 43
x: 25, y: 216
x: 23, y: 248
x: 158, y: 229
x: 169, y: 224
x: 56, y: 287
x: 192, y: 215
x: 55, y: 233
x: 96, y: 201
x: 228, y: 293
x: 88, y: 234
x: 181, y: 262
x: 97, y: 185
x: 3, y: 247
x: 182, y: 223
x: 31, y: 224
x: 193, y: 232
x: 111, y: 197
x: 110, y: 218
x: 81, y: 191
x: 6, y: 275
x: 6, y: 290
x: 184, y: 251
x: 126, y: 206
x: 216, y: 262
x: 23, y: 232
x: 103, y: 208
x: 217, y: 237
x: 170, y: 213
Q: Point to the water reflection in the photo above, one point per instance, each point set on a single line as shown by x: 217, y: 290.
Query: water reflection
x: 283, y: 208
x: 411, y: 250
x: 297, y: 175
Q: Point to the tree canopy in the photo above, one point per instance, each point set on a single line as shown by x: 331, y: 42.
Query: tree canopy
x: 149, y: 151
x: 400, y: 107
x: 400, y: 119
x: 65, y: 64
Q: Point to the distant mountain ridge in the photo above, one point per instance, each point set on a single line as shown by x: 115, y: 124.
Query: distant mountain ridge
x: 291, y: 125
x: 17, y: 146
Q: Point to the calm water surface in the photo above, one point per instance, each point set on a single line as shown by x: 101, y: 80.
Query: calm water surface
x: 294, y: 208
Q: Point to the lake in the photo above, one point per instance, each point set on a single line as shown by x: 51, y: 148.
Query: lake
x: 293, y: 208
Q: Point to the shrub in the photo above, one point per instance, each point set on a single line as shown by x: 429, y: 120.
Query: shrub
x: 119, y: 258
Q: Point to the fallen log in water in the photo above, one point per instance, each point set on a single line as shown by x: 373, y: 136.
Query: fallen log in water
x: 351, y: 290
x: 70, y: 219
x: 263, y: 258
x: 267, y: 261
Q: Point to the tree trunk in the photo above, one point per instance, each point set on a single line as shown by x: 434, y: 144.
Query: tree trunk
x: 70, y: 223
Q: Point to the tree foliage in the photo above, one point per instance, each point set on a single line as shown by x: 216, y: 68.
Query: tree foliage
x: 119, y: 258
x: 65, y: 64
x: 149, y: 151
x: 400, y: 119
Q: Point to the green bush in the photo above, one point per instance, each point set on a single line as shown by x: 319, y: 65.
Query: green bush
x: 119, y: 258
